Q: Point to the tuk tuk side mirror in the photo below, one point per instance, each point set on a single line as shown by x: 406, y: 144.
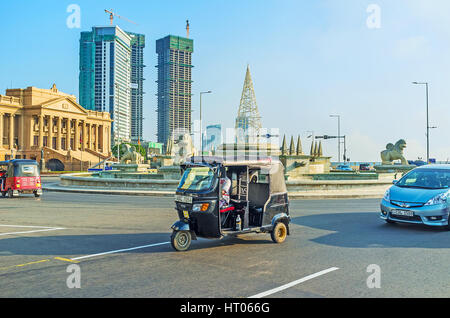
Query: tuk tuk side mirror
x: 394, y: 182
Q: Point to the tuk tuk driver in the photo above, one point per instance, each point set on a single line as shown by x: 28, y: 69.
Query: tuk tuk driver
x: 225, y: 182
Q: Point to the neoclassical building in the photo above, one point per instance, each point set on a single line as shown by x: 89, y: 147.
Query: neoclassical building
x: 36, y: 121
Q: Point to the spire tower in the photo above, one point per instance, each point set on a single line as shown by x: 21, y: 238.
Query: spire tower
x: 248, y: 121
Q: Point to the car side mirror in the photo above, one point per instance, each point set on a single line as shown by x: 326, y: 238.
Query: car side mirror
x: 394, y: 181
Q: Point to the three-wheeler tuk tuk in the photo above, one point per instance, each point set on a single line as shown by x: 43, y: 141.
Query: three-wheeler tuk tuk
x: 258, y: 200
x: 20, y: 176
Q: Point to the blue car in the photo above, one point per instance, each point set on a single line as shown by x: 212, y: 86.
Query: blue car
x: 421, y: 196
x: 344, y: 168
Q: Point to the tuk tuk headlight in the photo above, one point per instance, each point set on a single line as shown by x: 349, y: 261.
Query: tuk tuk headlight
x: 200, y: 207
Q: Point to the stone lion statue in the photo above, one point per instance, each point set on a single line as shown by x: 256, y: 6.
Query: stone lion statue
x: 131, y: 155
x: 394, y: 152
x: 180, y: 147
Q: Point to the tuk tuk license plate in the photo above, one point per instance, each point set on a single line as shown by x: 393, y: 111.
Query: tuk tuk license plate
x: 186, y: 214
x: 183, y: 198
x: 402, y: 213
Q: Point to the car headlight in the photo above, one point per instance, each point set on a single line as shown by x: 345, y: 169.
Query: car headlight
x: 387, y: 196
x: 200, y: 207
x: 439, y: 199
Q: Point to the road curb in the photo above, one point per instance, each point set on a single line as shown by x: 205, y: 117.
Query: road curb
x: 297, y: 196
x: 108, y: 191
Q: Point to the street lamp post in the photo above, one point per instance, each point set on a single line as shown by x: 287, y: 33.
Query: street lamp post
x: 339, y: 136
x: 201, y: 128
x: 428, y: 122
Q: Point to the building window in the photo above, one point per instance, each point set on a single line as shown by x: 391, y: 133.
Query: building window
x: 35, y: 140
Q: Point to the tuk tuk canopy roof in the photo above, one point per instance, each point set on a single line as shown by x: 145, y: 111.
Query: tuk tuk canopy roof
x: 17, y: 161
x: 273, y: 167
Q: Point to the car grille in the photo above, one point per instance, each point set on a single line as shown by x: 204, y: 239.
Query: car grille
x: 407, y: 204
x: 415, y: 218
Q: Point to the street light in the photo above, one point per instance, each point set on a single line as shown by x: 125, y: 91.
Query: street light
x: 428, y: 123
x: 339, y: 136
x: 201, y: 129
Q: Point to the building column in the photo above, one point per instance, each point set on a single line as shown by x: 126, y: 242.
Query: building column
x: 83, y: 145
x: 67, y: 133
x: 97, y: 139
x: 41, y: 131
x: 30, y: 142
x: 11, y: 131
x: 20, y: 133
x: 1, y: 130
x: 58, y: 134
x: 50, y: 132
x: 94, y: 137
x: 76, y: 138
x: 89, y: 136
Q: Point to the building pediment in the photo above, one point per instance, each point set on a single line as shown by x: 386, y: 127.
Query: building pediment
x: 64, y: 104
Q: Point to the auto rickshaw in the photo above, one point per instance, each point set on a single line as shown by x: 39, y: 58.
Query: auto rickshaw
x: 20, y: 176
x: 258, y: 200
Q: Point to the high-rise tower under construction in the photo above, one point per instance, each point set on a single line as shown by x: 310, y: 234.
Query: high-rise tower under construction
x: 174, y: 86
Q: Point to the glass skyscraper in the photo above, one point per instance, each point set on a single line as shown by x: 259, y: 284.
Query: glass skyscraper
x: 105, y: 76
x: 174, y: 86
x: 137, y: 85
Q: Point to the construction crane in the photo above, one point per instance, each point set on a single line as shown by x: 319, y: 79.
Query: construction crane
x: 112, y: 14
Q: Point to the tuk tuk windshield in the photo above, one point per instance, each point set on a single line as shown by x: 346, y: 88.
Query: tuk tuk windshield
x: 26, y: 170
x: 197, y: 179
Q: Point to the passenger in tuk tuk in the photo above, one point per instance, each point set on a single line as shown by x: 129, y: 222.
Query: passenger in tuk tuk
x: 2, y: 177
x: 225, y: 182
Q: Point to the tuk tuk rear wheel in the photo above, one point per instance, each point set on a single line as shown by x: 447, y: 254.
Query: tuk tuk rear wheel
x: 181, y: 240
x: 279, y: 232
x: 3, y: 193
x: 36, y: 194
x: 10, y: 193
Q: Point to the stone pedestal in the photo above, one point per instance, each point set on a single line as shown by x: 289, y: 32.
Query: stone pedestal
x: 122, y: 167
x: 299, y: 167
x: 170, y: 172
x: 392, y: 171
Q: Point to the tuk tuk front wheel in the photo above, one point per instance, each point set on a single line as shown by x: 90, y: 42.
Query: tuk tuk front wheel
x: 10, y: 193
x: 3, y: 193
x: 181, y: 240
x: 279, y: 232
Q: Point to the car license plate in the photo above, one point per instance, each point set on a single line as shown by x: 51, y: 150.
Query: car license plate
x: 402, y: 213
x: 186, y: 214
x: 183, y: 198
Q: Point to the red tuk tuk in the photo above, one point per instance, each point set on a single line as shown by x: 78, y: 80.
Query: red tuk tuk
x: 20, y: 176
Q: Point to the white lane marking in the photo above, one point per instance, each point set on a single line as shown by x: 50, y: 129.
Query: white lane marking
x: 33, y: 226
x: 43, y: 229
x: 118, y: 251
x: 296, y: 282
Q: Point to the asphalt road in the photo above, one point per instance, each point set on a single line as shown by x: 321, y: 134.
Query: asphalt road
x: 120, y: 245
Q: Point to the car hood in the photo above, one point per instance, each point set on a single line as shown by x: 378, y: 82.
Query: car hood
x: 413, y: 194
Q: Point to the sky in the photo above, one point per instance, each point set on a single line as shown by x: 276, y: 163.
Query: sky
x: 308, y: 60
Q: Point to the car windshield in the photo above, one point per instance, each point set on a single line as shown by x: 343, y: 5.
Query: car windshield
x: 196, y: 179
x: 426, y: 179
